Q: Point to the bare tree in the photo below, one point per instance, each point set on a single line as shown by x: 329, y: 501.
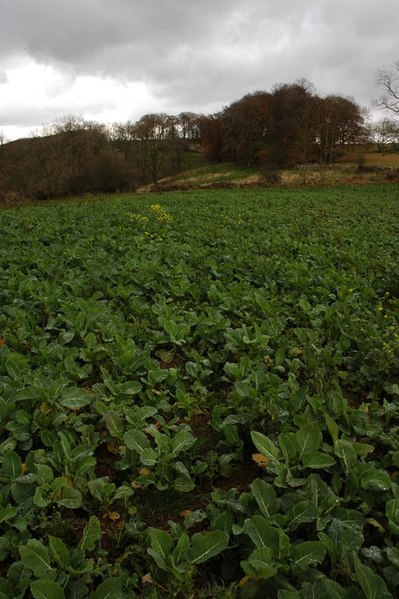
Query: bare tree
x: 388, y: 80
x: 386, y: 134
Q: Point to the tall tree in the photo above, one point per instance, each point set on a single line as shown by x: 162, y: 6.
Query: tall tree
x: 292, y: 130
x: 211, y: 137
x: 339, y: 122
x: 245, y: 125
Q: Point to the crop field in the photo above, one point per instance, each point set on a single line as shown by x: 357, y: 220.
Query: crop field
x: 199, y: 396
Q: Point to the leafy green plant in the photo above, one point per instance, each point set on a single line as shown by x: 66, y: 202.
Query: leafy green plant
x: 201, y: 392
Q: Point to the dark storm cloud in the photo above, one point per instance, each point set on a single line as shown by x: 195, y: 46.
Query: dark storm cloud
x: 194, y: 54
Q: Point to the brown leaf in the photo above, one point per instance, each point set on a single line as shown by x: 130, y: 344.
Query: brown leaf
x: 260, y: 460
x: 146, y: 579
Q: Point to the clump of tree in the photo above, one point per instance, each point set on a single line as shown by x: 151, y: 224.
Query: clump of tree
x: 73, y: 156
x: 289, y: 125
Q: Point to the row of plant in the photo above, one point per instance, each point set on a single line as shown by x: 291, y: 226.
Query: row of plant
x: 199, y: 396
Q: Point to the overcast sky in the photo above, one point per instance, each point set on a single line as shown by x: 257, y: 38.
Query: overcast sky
x: 115, y: 60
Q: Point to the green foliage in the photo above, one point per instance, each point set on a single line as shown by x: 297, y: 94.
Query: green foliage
x: 201, y: 394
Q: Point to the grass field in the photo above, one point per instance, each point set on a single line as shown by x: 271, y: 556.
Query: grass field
x: 199, y: 395
x: 381, y: 159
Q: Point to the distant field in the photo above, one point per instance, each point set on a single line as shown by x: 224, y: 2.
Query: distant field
x: 199, y: 395
x: 374, y: 158
x: 379, y: 159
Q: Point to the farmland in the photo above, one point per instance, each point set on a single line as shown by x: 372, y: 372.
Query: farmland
x: 199, y: 395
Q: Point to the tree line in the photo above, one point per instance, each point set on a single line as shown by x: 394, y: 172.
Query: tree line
x: 74, y: 156
x: 289, y: 125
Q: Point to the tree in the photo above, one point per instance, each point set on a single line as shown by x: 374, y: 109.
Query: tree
x: 245, y: 124
x: 339, y: 122
x: 211, y: 137
x: 157, y: 139
x: 190, y: 125
x: 388, y: 80
x: 386, y: 134
x: 292, y: 132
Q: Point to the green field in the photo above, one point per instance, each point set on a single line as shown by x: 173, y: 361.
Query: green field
x: 199, y: 395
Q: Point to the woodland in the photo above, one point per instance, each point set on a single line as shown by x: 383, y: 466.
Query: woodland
x: 287, y: 126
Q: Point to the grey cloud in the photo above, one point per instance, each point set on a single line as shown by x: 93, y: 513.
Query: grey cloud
x: 200, y: 53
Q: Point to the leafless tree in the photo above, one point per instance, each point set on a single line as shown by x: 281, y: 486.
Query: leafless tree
x: 386, y: 134
x: 388, y: 80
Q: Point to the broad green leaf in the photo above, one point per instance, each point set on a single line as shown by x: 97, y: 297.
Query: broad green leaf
x: 144, y: 412
x: 373, y: 586
x: 7, y: 513
x: 35, y: 557
x: 180, y: 552
x: 91, y: 534
x: 11, y: 467
x: 149, y: 457
x: 243, y: 389
x: 42, y: 498
x: 206, y: 545
x: 265, y: 446
x: 259, y: 531
x: 309, y: 553
x: 177, y: 331
x: 183, y: 484
x: 261, y: 560
x: 321, y: 493
x: 101, y: 488
x: 132, y: 388
x: 346, y: 540
x: 46, y: 589
x: 265, y: 496
x: 263, y: 534
x: 346, y: 452
x: 308, y: 439
x: 114, y: 424
x: 161, y: 542
x: 351, y: 518
x: 161, y: 545
x: 363, y: 449
x: 109, y: 589
x: 183, y: 440
x: 76, y: 590
x: 74, y: 398
x: 44, y: 474
x: 70, y: 498
x: 136, y: 440
x: 375, y: 480
x: 332, y: 427
x: 288, y: 447
x: 13, y: 368
x: 331, y: 589
x: 304, y: 511
x: 59, y: 551
x: 317, y: 459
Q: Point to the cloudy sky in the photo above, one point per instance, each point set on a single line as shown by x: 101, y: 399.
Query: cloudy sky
x: 114, y: 60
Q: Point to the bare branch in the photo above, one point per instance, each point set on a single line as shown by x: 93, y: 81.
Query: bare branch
x: 388, y: 80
